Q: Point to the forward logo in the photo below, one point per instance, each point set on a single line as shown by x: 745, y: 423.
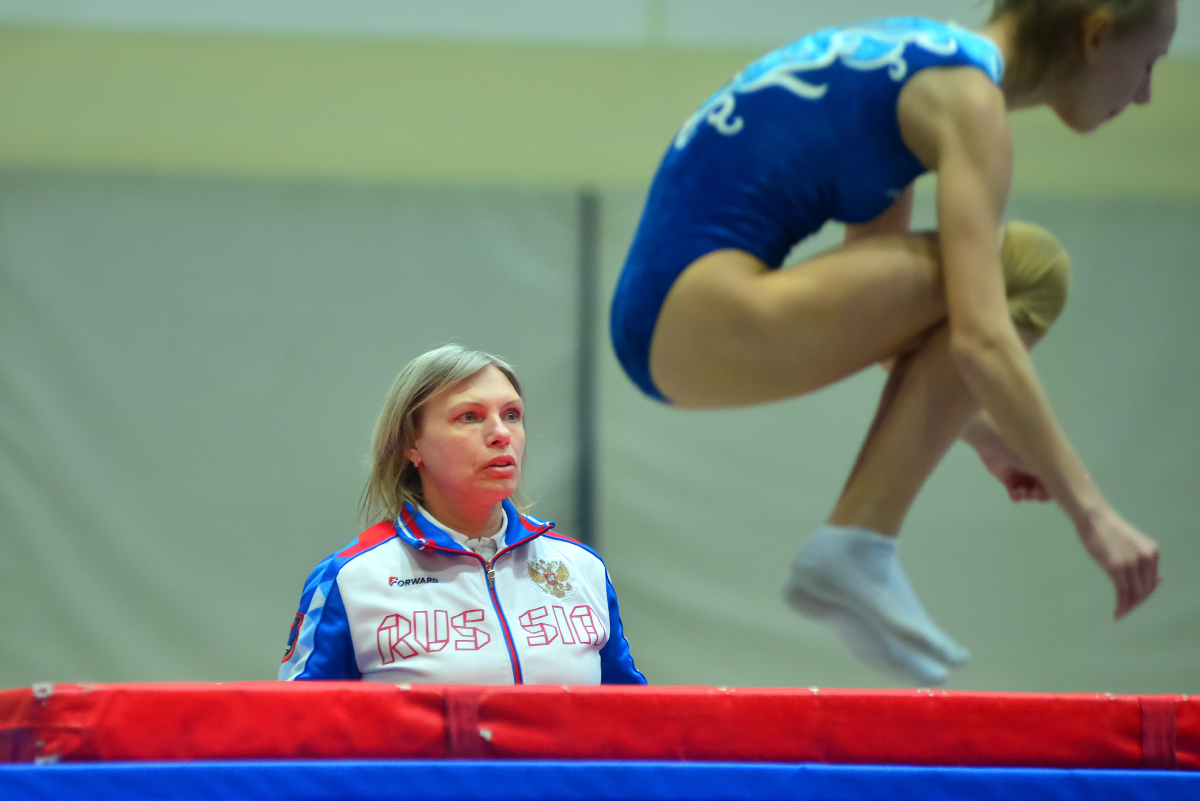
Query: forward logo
x: 396, y: 581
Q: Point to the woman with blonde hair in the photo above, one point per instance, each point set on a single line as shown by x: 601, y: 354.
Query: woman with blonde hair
x: 837, y: 126
x: 456, y: 585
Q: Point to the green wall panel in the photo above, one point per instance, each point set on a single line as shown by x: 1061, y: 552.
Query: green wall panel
x: 437, y: 112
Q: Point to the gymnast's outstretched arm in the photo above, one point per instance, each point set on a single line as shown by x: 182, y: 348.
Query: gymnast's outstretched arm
x: 981, y: 433
x: 955, y: 123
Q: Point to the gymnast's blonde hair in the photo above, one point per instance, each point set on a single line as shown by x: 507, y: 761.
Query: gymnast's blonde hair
x: 394, y: 479
x: 1049, y: 33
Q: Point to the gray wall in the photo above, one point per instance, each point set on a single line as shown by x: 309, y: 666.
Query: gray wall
x: 189, y: 373
x: 189, y: 370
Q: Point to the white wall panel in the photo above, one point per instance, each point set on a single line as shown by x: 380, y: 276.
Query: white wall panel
x: 189, y: 373
x: 503, y: 20
x: 705, y: 22
x: 776, y: 22
x: 189, y: 370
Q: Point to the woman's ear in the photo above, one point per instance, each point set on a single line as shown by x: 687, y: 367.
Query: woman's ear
x: 414, y: 456
x: 1098, y: 28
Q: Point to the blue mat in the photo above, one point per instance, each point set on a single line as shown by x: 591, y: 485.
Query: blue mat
x: 576, y: 781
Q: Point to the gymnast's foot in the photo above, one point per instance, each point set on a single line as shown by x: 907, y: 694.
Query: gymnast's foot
x: 876, y: 647
x: 852, y: 578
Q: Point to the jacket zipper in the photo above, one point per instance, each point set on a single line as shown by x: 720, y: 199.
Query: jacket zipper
x: 509, y: 642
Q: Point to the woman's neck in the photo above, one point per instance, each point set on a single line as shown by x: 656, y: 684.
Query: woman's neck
x: 1002, y: 32
x: 473, y: 521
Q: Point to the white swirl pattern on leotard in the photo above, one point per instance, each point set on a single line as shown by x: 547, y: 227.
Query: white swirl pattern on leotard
x: 857, y: 48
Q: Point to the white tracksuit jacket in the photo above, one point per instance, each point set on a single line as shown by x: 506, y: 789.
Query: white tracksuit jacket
x: 405, y: 603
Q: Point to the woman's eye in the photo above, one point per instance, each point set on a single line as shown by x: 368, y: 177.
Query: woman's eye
x: 514, y: 416
x: 469, y: 417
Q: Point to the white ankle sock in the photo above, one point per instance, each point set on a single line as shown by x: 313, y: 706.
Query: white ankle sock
x: 872, y: 645
x: 857, y: 570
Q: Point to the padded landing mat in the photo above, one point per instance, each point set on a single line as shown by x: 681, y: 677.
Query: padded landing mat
x: 579, y: 781
x: 352, y: 720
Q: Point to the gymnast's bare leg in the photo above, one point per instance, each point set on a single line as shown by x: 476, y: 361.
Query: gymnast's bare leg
x: 785, y: 333
x: 902, y: 446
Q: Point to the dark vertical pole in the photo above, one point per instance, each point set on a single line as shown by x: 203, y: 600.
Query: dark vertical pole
x: 589, y: 292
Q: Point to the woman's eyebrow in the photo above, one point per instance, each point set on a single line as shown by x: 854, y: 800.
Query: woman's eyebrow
x: 462, y: 405
x: 467, y: 403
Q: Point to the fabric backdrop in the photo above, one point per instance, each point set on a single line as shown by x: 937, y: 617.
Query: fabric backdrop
x: 190, y: 369
x: 189, y: 373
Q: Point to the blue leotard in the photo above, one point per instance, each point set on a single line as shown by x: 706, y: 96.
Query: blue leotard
x: 806, y: 134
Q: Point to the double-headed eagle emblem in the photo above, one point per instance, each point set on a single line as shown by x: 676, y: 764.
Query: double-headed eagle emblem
x: 552, y: 577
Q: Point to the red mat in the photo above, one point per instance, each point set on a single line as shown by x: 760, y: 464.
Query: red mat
x: 347, y: 720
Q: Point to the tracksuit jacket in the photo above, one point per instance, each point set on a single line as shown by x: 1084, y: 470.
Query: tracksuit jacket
x: 405, y: 603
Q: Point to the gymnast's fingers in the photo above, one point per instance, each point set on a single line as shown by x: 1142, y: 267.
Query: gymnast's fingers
x: 1137, y: 587
x: 1120, y: 580
x: 1148, y: 567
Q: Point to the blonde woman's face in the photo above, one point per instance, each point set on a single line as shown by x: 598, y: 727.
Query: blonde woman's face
x: 1117, y: 71
x: 471, y: 439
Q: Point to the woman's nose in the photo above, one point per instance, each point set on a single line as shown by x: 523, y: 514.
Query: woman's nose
x: 1143, y: 93
x: 499, y: 432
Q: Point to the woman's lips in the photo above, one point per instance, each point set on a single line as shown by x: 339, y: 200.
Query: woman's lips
x: 501, y: 467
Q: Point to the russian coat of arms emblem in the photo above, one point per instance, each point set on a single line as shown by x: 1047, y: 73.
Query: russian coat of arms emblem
x: 551, y: 576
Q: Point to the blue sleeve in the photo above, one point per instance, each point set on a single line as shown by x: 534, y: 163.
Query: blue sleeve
x: 616, y: 665
x: 332, y: 654
x: 319, y: 645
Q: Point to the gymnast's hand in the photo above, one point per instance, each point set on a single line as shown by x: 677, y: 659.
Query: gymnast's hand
x: 1128, y: 556
x: 1020, y: 483
x: 1002, y: 463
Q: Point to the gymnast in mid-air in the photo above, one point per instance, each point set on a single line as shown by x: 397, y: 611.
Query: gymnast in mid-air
x: 836, y: 126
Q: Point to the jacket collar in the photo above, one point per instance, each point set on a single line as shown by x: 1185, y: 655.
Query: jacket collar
x: 419, y: 532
